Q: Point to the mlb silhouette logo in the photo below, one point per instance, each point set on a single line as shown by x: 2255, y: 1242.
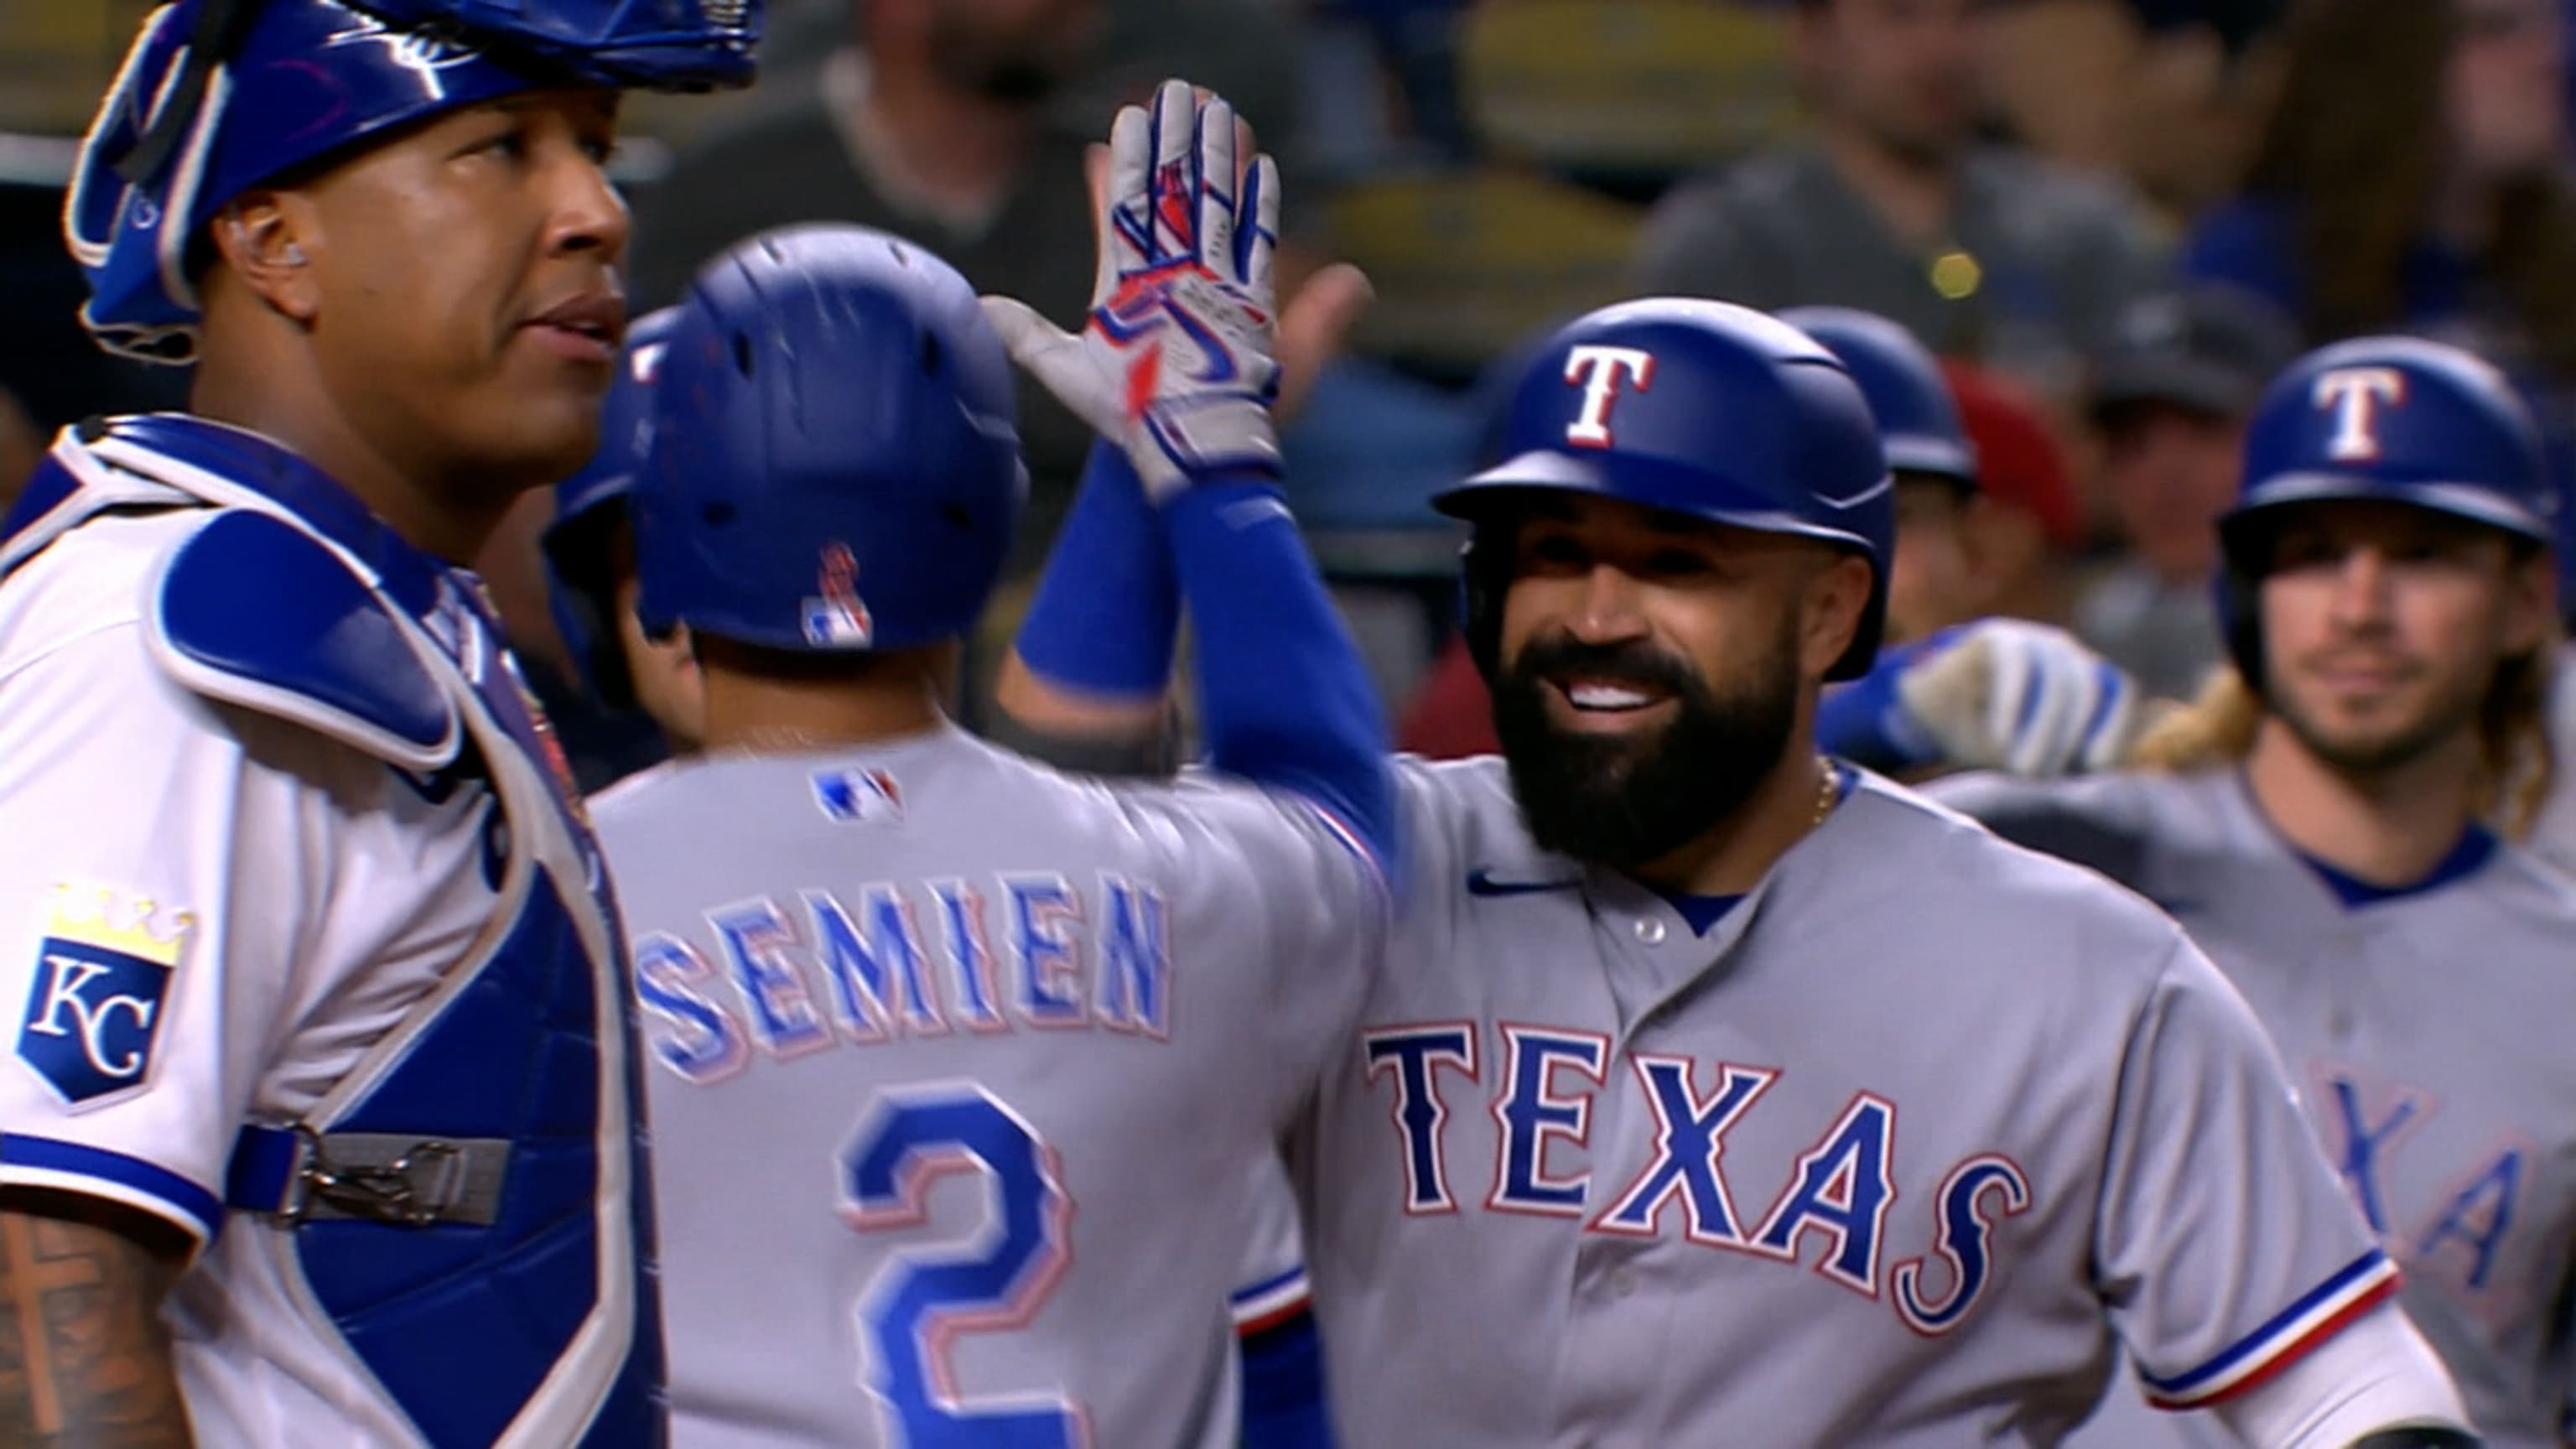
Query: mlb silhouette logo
x: 94, y: 1011
x: 859, y: 796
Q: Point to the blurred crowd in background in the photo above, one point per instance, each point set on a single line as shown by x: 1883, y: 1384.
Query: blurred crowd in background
x: 2113, y: 219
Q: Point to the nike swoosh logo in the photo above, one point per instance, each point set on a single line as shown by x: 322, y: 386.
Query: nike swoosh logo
x: 1481, y: 882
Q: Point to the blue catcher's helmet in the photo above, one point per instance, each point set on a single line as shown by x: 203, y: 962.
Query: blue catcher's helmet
x: 218, y: 96
x: 836, y: 456
x: 2399, y: 419
x: 1700, y: 408
x: 590, y: 504
x: 1918, y: 419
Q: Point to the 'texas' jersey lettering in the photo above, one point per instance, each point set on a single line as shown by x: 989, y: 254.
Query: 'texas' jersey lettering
x: 1838, y: 1194
x: 782, y: 978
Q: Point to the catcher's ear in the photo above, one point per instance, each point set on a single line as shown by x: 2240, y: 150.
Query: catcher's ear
x: 261, y: 239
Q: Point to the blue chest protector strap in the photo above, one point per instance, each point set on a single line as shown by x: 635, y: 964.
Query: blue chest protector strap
x: 295, y: 1174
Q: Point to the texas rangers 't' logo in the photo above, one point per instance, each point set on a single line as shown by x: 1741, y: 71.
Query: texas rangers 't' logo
x: 1596, y: 370
x: 2355, y: 393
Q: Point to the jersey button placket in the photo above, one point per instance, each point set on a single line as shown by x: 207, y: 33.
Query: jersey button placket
x: 1650, y: 930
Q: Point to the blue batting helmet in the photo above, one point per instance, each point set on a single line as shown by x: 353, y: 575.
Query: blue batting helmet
x: 590, y: 504
x: 2399, y: 419
x: 1700, y: 408
x: 836, y: 457
x: 218, y: 96
x: 1918, y: 419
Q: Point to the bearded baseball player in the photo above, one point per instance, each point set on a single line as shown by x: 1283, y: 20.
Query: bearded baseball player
x: 964, y: 1071
x: 1714, y: 1092
x: 2317, y: 822
x: 317, y: 1127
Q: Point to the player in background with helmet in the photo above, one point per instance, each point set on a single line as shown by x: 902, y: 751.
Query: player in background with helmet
x: 591, y: 551
x: 1930, y: 581
x: 2007, y: 693
x: 1714, y: 1091
x: 867, y: 939
x: 2322, y: 823
x: 640, y: 699
x: 320, y: 1126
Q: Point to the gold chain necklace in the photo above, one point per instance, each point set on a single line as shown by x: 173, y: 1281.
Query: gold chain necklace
x: 1828, y: 794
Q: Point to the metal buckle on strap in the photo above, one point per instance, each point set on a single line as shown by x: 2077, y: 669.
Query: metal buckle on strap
x: 389, y: 1177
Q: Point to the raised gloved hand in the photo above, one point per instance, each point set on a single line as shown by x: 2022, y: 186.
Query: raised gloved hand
x: 1997, y: 694
x: 1178, y: 362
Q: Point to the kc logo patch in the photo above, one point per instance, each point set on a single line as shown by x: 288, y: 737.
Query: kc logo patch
x: 101, y: 988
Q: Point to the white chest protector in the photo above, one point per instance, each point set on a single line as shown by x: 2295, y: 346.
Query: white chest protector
x: 317, y: 957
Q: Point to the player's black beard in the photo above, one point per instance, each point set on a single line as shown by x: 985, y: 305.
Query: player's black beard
x: 1626, y: 802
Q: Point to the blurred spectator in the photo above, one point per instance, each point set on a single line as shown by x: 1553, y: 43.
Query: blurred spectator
x: 2235, y: 23
x: 2171, y: 95
x: 1895, y: 208
x: 1416, y: 44
x: 2025, y: 536
x: 2055, y: 76
x: 2412, y: 177
x: 933, y: 120
x: 1247, y: 51
x: 2196, y: 102
x: 2170, y: 397
x: 22, y: 444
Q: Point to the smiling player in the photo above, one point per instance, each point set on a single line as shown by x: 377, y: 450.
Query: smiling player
x: 2319, y: 823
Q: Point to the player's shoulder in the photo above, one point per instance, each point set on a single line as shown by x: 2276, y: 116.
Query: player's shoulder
x: 95, y: 579
x: 74, y: 642
x: 642, y: 798
x: 2518, y: 881
x: 154, y: 534
x: 1461, y: 814
x: 2119, y: 823
x: 1920, y: 857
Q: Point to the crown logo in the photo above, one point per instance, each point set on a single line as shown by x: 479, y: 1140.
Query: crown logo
x: 90, y: 917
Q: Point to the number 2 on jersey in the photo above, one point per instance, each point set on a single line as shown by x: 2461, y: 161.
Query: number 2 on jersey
x: 924, y: 1298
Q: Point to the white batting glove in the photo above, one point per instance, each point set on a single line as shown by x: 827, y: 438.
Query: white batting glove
x: 2008, y: 694
x: 1179, y: 361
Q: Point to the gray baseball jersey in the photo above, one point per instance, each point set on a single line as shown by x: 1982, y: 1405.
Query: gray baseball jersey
x: 2428, y: 1031
x: 961, y: 1072
x: 1889, y: 1156
x: 2553, y: 834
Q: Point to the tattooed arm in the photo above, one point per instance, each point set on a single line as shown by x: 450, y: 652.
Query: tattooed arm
x: 84, y: 1356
